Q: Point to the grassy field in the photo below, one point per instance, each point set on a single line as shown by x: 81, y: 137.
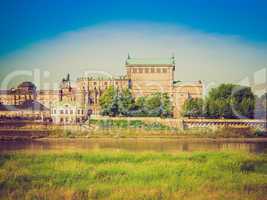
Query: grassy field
x: 128, y: 175
x: 118, y: 132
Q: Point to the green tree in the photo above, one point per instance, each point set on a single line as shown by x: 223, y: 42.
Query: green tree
x: 193, y: 107
x: 109, y: 102
x: 139, y: 109
x: 230, y: 101
x: 125, y: 102
x: 152, y: 105
x: 158, y: 104
x: 167, y: 107
x: 140, y: 102
x: 261, y: 106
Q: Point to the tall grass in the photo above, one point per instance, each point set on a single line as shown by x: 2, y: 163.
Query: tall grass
x: 125, y: 175
x: 109, y: 123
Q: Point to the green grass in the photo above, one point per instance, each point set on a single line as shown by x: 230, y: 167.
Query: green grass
x: 109, y: 123
x: 157, y: 131
x: 126, y: 175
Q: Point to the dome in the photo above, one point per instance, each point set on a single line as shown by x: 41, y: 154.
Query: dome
x: 27, y: 87
x: 26, y: 84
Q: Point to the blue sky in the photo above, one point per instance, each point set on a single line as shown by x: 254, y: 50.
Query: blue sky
x: 23, y: 22
x: 216, y: 41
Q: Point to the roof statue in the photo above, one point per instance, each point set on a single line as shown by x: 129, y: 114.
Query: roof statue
x: 173, y: 58
x: 68, y: 77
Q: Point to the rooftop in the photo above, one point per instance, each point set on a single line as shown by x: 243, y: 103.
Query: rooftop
x: 26, y: 84
x: 150, y: 61
x: 27, y: 105
x: 187, y: 83
x: 66, y: 103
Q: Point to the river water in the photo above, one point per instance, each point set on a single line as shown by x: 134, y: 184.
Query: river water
x: 137, y: 145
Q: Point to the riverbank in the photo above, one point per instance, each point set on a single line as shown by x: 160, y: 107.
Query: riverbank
x: 124, y: 175
x: 79, y: 133
x: 121, y: 128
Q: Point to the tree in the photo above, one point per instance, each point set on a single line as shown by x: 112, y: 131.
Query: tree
x: 166, y: 106
x: 261, y: 107
x: 158, y: 104
x: 139, y: 108
x: 114, y: 102
x: 125, y: 102
x: 152, y: 105
x: 109, y: 102
x: 193, y: 107
x: 230, y: 101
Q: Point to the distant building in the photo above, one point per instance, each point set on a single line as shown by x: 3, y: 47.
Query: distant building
x: 64, y: 112
x: 29, y: 109
x: 90, y: 89
x: 143, y: 77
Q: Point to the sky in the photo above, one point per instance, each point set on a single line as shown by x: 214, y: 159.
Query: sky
x: 216, y: 41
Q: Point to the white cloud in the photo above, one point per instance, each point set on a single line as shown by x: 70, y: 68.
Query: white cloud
x: 199, y: 55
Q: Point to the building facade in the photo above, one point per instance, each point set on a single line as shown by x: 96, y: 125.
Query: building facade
x: 65, y: 112
x: 90, y: 89
x: 143, y: 77
x: 148, y: 76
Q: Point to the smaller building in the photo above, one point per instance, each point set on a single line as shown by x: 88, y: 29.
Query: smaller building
x: 68, y: 112
x: 28, y: 110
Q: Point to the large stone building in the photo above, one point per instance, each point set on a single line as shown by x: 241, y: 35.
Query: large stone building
x: 143, y: 77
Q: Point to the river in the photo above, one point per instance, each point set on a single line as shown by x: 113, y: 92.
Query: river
x: 138, y: 145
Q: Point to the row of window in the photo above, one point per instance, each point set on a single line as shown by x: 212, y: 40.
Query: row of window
x: 149, y: 70
x: 70, y: 120
x: 66, y: 112
x: 106, y: 83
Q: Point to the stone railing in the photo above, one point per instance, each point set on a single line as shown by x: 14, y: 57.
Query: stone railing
x: 234, y: 123
x: 184, y: 123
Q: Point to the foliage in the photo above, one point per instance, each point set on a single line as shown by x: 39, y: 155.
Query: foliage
x: 114, y: 102
x: 224, y: 101
x: 122, y: 123
x: 166, y: 105
x: 109, y: 174
x: 231, y: 101
x: 193, y: 107
x: 261, y: 107
x: 108, y: 102
x: 125, y: 102
x: 122, y: 103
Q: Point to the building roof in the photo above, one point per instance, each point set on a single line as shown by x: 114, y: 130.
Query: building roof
x: 27, y: 105
x: 26, y: 84
x: 187, y: 83
x: 56, y: 92
x: 64, y: 103
x: 4, y: 92
x: 150, y: 61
